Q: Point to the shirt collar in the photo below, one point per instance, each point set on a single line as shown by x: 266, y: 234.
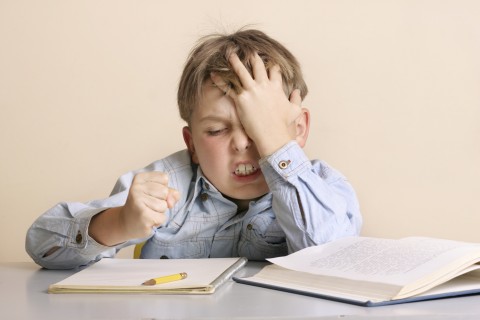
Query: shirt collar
x: 202, y: 184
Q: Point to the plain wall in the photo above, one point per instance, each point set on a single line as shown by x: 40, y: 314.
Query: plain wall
x: 88, y: 92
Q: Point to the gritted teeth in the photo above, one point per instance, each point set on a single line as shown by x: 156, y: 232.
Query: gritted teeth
x: 245, y: 169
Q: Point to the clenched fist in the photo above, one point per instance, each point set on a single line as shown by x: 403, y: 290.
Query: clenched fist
x: 148, y: 199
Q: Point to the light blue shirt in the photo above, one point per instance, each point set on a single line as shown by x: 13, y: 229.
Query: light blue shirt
x: 309, y: 203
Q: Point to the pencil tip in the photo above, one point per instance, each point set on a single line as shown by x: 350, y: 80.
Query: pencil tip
x: 150, y: 282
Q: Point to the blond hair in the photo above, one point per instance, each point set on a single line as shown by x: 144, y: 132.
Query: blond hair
x: 211, y: 53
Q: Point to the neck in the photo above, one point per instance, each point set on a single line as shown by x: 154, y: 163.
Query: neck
x: 242, y: 204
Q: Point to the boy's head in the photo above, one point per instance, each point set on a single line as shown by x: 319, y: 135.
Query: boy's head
x: 215, y: 136
x: 211, y: 55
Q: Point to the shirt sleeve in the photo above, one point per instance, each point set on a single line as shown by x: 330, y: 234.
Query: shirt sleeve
x: 59, y: 238
x: 313, y: 202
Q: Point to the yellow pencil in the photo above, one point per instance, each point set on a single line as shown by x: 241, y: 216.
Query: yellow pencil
x: 165, y: 279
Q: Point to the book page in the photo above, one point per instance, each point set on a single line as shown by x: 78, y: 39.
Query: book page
x: 467, y: 282
x: 361, y: 291
x: 391, y: 261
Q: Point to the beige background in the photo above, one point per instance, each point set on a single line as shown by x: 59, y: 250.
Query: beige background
x: 88, y: 89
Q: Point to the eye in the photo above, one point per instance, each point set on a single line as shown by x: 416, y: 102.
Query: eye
x: 216, y: 132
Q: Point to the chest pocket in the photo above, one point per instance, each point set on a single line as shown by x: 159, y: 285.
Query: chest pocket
x: 265, y: 227
x: 189, y: 234
x: 191, y: 249
x: 262, y: 237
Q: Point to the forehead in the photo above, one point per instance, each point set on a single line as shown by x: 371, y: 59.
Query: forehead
x: 212, y: 104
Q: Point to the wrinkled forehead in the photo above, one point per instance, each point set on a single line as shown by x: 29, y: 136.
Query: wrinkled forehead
x: 212, y: 104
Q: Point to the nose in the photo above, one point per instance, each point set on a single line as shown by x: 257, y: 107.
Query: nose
x: 240, y: 140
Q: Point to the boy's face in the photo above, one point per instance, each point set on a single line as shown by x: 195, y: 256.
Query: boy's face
x: 217, y: 142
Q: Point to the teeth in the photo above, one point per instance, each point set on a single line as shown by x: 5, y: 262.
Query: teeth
x: 245, y: 169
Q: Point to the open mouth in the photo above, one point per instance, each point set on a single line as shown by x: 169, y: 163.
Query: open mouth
x: 245, y: 169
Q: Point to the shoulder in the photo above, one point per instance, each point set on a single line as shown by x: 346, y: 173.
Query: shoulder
x: 177, y: 161
x: 178, y: 166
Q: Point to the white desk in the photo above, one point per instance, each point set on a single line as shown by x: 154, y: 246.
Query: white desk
x: 23, y: 296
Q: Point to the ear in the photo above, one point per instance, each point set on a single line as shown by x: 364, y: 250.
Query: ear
x: 187, y: 137
x: 302, y: 126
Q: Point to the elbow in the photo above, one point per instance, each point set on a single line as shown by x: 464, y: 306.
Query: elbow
x: 55, y: 258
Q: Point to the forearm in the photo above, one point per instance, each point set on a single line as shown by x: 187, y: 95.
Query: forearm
x: 107, y: 228
x: 312, y: 202
x: 309, y: 221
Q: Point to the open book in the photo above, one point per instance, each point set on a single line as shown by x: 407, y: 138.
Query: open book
x: 371, y: 271
x: 127, y: 276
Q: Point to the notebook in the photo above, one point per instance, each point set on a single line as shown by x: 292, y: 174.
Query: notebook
x: 204, y: 276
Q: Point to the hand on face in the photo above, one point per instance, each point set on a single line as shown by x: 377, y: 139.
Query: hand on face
x: 266, y: 114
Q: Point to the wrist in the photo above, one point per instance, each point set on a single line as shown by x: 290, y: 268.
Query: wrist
x: 106, y: 227
x: 268, y: 148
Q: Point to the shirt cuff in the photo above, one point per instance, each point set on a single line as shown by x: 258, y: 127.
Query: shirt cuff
x: 78, y: 236
x: 286, y: 163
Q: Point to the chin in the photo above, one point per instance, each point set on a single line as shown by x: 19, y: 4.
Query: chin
x: 248, y: 195
x: 250, y: 191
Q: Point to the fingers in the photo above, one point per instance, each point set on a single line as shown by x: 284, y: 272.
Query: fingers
x: 296, y: 110
x: 159, y: 206
x: 172, y: 198
x: 155, y: 204
x: 153, y: 176
x: 259, y: 74
x: 242, y: 72
x: 220, y: 84
x: 295, y: 97
x: 147, y: 202
x: 258, y: 68
x: 152, y: 189
x: 275, y: 75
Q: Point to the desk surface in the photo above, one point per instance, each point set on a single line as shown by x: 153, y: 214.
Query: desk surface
x: 23, y: 296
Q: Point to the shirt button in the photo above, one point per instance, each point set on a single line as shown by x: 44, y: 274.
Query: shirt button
x: 284, y: 164
x: 78, y: 238
x: 204, y: 197
x: 249, y: 226
x: 207, y: 186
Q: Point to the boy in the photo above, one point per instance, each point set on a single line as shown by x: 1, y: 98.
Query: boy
x: 243, y: 187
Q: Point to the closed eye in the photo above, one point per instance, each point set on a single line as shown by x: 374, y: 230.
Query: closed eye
x: 216, y: 132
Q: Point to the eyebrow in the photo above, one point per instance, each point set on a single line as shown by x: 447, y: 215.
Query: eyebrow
x: 215, y: 119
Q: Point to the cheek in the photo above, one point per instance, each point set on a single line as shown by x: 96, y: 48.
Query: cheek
x: 211, y: 150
